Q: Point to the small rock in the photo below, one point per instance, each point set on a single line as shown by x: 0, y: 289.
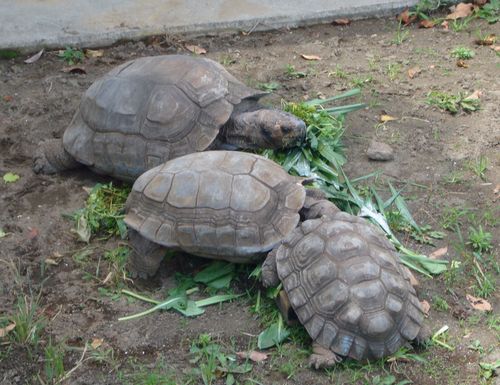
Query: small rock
x: 380, y: 151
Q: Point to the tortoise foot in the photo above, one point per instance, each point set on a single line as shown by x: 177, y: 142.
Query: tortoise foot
x: 322, y: 358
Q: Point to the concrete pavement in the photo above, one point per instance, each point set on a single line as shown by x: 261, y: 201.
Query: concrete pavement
x: 33, y: 24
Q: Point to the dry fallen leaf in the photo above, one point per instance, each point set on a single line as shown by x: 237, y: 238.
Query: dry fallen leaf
x: 487, y: 40
x: 253, y: 355
x: 475, y: 95
x: 414, y: 71
x: 94, y: 52
x: 405, y: 17
x: 54, y: 260
x: 342, y: 21
x: 462, y: 64
x: 426, y: 23
x: 108, y: 278
x: 96, y: 342
x: 35, y: 57
x: 479, y: 303
x: 8, y: 98
x: 4, y: 331
x: 310, y: 57
x: 196, y: 49
x: 445, y: 25
x: 496, y: 192
x: 425, y: 307
x: 461, y: 10
x: 495, y: 48
x: 387, y: 118
x: 437, y: 254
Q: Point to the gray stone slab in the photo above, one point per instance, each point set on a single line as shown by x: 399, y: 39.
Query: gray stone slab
x: 32, y: 24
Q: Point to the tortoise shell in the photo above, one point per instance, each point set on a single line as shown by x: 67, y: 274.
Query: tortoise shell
x: 150, y: 110
x: 218, y: 204
x: 348, y: 288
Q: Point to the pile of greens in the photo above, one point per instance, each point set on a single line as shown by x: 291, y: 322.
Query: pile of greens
x: 321, y: 157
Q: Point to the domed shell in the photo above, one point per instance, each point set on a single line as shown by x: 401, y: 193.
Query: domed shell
x: 218, y: 204
x: 347, y: 287
x: 150, y: 110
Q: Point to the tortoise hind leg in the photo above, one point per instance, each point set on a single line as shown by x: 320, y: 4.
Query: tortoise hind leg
x: 322, y: 358
x: 51, y: 157
x: 146, y: 256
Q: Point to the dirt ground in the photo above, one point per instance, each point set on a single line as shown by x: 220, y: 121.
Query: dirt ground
x: 437, y: 158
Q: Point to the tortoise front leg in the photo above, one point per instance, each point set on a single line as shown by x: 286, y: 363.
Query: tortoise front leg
x: 322, y: 358
x: 146, y: 256
x: 269, y: 274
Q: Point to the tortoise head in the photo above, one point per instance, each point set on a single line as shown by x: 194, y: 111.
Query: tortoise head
x: 266, y: 128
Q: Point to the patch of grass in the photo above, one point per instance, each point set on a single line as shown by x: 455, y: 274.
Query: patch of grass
x: 479, y: 239
x: 159, y: 374
x: 338, y: 73
x: 393, y: 71
x: 54, y: 363
x: 8, y: 54
x: 103, y: 212
x: 291, y: 72
x: 489, y: 11
x: 462, y: 53
x: 423, y: 234
x: 453, y: 217
x: 361, y: 81
x: 29, y: 323
x: 459, y: 25
x: 71, y: 55
x: 479, y: 167
x: 440, y: 303
x: 288, y: 360
x: 424, y: 8
x: 452, y: 103
x: 268, y: 87
x: 213, y: 362
x: 454, y: 177
x: 401, y: 35
x: 227, y: 60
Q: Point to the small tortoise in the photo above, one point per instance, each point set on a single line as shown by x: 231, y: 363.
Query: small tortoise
x: 345, y: 284
x: 153, y: 109
x: 340, y: 272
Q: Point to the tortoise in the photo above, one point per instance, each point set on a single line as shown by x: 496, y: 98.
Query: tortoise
x: 343, y: 281
x: 152, y: 109
x: 341, y: 274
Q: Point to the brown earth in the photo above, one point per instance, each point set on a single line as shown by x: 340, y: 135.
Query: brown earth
x: 435, y: 154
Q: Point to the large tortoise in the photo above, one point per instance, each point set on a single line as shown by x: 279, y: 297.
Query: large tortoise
x: 342, y: 276
x: 152, y: 109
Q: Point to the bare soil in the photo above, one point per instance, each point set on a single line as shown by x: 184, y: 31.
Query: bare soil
x: 434, y: 157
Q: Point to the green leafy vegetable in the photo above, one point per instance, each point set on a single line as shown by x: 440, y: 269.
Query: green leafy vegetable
x: 103, y: 212
x: 273, y: 335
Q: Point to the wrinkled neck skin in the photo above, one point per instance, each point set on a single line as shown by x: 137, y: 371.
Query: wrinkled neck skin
x: 242, y: 131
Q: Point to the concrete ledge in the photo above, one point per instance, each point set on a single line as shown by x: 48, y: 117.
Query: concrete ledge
x: 33, y: 24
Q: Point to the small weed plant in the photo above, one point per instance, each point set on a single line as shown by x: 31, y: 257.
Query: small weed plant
x: 462, y: 53
x: 71, y: 56
x: 291, y: 72
x: 452, y: 103
x: 479, y: 239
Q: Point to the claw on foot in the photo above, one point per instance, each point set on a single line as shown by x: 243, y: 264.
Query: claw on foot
x: 322, y: 358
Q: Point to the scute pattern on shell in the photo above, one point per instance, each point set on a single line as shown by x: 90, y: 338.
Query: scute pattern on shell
x: 152, y: 109
x: 216, y: 204
x: 347, y: 287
